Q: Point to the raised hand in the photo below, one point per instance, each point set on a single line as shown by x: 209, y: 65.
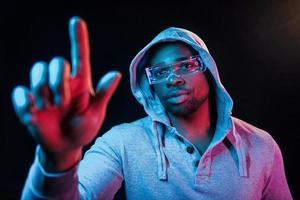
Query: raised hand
x: 61, y: 109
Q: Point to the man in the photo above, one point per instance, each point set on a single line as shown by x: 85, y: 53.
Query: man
x: 188, y: 147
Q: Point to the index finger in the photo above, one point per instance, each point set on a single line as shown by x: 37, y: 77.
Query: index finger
x: 80, y: 50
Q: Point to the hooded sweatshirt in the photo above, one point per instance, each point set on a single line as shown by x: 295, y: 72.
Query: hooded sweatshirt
x: 154, y: 161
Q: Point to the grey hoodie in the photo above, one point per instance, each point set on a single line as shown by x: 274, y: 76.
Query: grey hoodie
x: 150, y: 156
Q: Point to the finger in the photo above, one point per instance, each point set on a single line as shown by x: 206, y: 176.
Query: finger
x: 38, y: 84
x: 80, y: 50
x: 105, y: 88
x: 22, y: 102
x: 59, y: 81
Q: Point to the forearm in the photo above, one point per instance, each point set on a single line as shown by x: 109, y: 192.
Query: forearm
x: 98, y: 175
x: 41, y: 184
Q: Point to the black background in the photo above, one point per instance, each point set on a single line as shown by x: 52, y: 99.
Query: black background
x: 256, y: 46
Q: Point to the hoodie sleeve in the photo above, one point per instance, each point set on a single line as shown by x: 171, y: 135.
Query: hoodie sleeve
x: 98, y: 175
x: 276, y: 185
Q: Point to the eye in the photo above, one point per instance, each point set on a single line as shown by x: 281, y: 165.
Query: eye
x: 161, y: 72
x: 187, y: 66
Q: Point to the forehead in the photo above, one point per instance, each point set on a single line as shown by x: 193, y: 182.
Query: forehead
x: 166, y: 53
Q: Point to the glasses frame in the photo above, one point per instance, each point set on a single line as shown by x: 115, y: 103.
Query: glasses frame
x: 201, y: 68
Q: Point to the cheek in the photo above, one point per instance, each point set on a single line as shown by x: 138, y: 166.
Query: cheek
x: 200, y: 85
x: 159, y: 90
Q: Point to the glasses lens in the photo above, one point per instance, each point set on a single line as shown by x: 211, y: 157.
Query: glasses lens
x: 187, y: 66
x: 157, y: 74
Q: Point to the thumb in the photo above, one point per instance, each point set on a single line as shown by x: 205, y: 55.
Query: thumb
x: 106, y: 88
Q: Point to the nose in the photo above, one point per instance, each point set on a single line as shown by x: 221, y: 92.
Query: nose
x: 175, y: 80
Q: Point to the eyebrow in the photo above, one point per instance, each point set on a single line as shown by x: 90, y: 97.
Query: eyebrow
x: 177, y: 59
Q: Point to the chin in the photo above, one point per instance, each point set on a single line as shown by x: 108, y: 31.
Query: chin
x: 185, y: 109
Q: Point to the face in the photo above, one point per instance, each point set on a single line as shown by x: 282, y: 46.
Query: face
x: 180, y: 95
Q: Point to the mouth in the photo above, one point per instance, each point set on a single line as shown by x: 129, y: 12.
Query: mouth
x: 178, y: 97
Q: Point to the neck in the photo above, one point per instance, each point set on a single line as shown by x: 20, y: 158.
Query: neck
x: 196, y: 127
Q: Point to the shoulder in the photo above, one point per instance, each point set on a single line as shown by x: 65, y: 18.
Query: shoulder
x: 259, y: 144
x: 129, y: 131
x: 255, y: 138
x: 126, y: 138
x: 245, y: 129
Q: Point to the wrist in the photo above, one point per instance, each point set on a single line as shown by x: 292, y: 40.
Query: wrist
x: 59, y: 161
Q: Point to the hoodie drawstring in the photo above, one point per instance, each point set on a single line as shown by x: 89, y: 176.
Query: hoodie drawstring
x: 241, y: 153
x: 161, y: 157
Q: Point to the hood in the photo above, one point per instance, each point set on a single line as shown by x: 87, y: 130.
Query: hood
x: 147, y: 98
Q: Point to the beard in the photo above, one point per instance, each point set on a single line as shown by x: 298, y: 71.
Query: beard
x: 187, y: 108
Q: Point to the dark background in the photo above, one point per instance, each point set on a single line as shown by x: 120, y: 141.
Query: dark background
x: 256, y: 46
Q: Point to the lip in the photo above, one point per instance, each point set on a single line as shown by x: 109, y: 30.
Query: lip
x: 177, y: 93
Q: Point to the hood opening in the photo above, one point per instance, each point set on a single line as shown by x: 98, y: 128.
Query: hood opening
x: 212, y: 100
